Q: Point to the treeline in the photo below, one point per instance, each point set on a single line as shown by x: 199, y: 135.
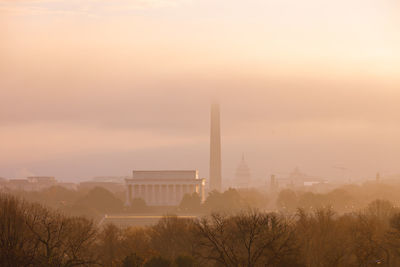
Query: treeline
x: 33, y: 235
x: 92, y: 204
x: 98, y: 201
x: 345, y: 199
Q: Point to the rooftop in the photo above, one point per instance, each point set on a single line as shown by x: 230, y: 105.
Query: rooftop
x: 165, y: 174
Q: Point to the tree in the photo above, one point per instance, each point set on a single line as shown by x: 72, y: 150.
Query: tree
x: 185, y: 261
x: 367, y: 233
x: 109, y: 247
x: 253, y: 198
x: 101, y: 200
x: 392, y: 237
x: 158, y: 262
x: 190, y: 203
x: 287, y: 200
x: 61, y: 241
x: 173, y: 236
x: 138, y: 205
x: 381, y: 209
x: 17, y: 244
x: 138, y: 241
x: 32, y: 235
x: 229, y: 201
x: 323, y: 240
x: 247, y: 239
x: 132, y: 260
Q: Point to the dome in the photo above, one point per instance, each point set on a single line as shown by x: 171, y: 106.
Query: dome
x: 243, y: 175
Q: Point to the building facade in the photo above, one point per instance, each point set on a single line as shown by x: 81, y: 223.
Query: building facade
x: 163, y: 188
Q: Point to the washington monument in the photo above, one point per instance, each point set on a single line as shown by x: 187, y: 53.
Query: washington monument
x: 215, y: 149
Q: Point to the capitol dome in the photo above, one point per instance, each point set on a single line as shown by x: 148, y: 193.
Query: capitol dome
x: 243, y: 174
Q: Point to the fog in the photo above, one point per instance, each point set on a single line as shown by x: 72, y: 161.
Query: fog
x: 105, y: 125
x: 93, y: 89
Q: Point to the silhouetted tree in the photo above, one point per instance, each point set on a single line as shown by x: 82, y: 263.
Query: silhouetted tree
x: 190, y: 203
x: 132, y: 260
x: 246, y: 239
x: 17, y: 244
x: 32, y: 235
x: 323, y: 240
x: 228, y: 201
x: 101, y: 200
x: 109, y: 245
x: 185, y: 261
x: 287, y: 200
x: 173, y: 236
x: 158, y: 262
x: 138, y: 205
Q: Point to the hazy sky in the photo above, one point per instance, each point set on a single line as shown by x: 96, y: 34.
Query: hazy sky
x: 101, y: 87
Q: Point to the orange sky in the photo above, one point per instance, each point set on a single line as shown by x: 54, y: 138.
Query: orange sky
x: 94, y: 87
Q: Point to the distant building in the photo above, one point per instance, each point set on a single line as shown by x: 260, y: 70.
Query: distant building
x: 299, y: 180
x: 242, y: 175
x: 42, y: 182
x: 42, y: 179
x: 110, y: 186
x: 32, y: 183
x: 163, y: 188
x: 20, y: 185
x: 112, y: 179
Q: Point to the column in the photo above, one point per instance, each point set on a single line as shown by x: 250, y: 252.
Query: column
x: 174, y: 194
x: 128, y: 199
x: 153, y: 194
x: 131, y: 192
x: 136, y: 191
x: 165, y: 190
x: 185, y: 189
x: 146, y: 193
x: 170, y: 194
x: 181, y: 192
x: 149, y: 192
x: 159, y: 198
x: 178, y: 193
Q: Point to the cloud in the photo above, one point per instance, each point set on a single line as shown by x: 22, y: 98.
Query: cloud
x: 88, y: 7
x: 61, y: 139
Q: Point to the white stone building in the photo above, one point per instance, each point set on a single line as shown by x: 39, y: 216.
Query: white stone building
x: 242, y: 175
x: 163, y: 188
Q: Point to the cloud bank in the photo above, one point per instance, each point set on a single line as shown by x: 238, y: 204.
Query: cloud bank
x: 88, y: 7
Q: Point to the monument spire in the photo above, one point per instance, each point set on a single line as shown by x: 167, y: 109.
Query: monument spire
x: 215, y: 149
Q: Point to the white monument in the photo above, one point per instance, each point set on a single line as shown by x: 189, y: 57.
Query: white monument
x: 163, y: 188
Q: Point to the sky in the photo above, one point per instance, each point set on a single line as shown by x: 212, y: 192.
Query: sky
x: 98, y: 87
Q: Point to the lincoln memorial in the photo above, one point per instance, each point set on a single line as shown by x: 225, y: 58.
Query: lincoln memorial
x: 163, y: 188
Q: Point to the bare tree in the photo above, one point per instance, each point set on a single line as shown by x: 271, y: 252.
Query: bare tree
x: 42, y: 237
x: 246, y: 239
x: 17, y: 244
x: 323, y: 238
x: 173, y: 236
x: 109, y: 245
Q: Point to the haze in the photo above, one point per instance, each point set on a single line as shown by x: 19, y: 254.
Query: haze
x: 95, y: 87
